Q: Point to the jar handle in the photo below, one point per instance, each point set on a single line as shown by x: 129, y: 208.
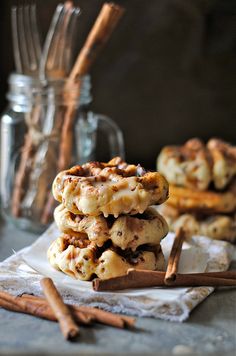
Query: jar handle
x: 86, y: 131
x: 114, y: 134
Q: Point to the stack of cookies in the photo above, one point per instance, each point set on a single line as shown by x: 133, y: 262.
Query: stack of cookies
x: 106, y: 221
x: 202, y: 187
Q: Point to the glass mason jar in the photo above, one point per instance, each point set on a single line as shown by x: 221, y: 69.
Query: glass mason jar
x: 43, y: 130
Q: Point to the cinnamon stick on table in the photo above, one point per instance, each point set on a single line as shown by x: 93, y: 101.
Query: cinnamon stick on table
x: 173, y: 261
x: 145, y: 278
x: 79, y: 316
x: 97, y: 315
x: 39, y: 307
x: 18, y: 304
x: 68, y: 326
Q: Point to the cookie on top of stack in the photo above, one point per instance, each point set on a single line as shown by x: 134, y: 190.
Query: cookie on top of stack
x: 106, y: 220
x: 202, y: 187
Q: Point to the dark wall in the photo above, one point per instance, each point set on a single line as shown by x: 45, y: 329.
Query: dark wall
x: 167, y: 74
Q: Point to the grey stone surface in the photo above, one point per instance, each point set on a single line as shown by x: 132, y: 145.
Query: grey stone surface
x: 211, y: 327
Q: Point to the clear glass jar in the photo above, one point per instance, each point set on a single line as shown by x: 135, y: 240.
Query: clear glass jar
x: 36, y: 144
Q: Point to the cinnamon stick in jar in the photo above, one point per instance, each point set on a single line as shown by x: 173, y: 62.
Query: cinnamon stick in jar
x: 18, y: 189
x: 67, y: 324
x: 26, y: 158
x: 100, y: 33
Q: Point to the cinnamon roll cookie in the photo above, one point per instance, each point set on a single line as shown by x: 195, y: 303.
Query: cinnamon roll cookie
x: 209, y: 201
x: 81, y: 259
x: 187, y: 166
x: 217, y: 226
x: 224, y: 162
x: 125, y: 232
x: 197, y: 166
x: 111, y: 188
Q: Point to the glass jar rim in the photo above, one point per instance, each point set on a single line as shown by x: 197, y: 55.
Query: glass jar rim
x: 25, y: 88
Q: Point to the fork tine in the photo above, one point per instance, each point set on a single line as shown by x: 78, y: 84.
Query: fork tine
x: 60, y: 48
x: 54, y: 55
x: 29, y: 40
x: 69, y: 39
x: 59, y: 57
x: 22, y: 41
x: 47, y: 44
x: 35, y: 32
x: 15, y: 39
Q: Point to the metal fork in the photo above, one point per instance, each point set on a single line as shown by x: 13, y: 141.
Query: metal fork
x: 26, y: 39
x: 55, y: 62
x: 54, y: 65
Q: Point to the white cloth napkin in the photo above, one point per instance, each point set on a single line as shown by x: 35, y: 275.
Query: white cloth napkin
x: 22, y: 272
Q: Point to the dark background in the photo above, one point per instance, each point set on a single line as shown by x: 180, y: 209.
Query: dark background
x: 167, y: 74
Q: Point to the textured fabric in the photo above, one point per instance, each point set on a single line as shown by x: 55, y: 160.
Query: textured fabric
x: 175, y: 304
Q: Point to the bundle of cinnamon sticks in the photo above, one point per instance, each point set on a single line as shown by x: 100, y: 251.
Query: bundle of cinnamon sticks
x: 70, y: 317
x: 100, y: 33
x: 170, y: 278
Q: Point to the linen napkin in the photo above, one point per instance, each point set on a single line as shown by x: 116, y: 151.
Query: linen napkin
x: 22, y: 272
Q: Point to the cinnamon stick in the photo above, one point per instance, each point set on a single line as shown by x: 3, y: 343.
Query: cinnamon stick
x: 100, y: 33
x: 130, y: 280
x: 174, y: 257
x: 146, y: 278
x: 221, y: 274
x: 18, y: 304
x: 186, y: 280
x: 38, y: 308
x: 9, y: 306
x: 24, y: 168
x: 21, y: 175
x: 79, y: 316
x: 104, y: 317
x: 48, y: 209
x: 96, y: 314
x: 67, y: 324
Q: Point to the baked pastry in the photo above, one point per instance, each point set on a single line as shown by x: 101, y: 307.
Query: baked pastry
x: 107, y: 224
x: 224, y: 162
x: 125, y: 232
x: 217, y: 227
x: 195, y: 165
x: 185, y: 200
x: 187, y: 166
x: 83, y: 260
x: 111, y: 188
x: 202, y: 187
